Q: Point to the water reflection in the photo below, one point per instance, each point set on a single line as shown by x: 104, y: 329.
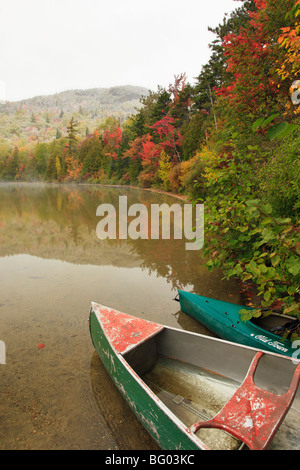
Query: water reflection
x: 52, y: 265
x: 59, y: 222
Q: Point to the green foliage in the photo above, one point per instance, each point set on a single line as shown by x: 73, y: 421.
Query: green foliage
x: 275, y: 131
x: 41, y: 155
x: 164, y: 169
x: 247, y: 239
x: 134, y: 169
x: 12, y: 165
x: 90, y: 154
x: 279, y: 178
x: 194, y: 180
x: 72, y: 132
x: 193, y: 135
x: 160, y: 106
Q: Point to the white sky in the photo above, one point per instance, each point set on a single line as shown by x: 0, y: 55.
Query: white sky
x: 48, y: 46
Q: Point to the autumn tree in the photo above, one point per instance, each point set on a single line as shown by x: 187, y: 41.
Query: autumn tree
x: 215, y: 73
x: 169, y: 138
x: 112, y: 139
x: 289, y: 42
x: 149, y: 159
x: 251, y: 57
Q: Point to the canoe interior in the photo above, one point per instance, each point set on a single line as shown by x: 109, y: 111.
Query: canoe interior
x: 195, y: 378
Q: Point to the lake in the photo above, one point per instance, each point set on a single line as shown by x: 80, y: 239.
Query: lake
x: 55, y: 393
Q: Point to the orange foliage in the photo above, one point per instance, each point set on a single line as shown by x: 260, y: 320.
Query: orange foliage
x: 290, y: 41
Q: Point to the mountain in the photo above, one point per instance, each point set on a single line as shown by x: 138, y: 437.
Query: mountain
x: 41, y: 117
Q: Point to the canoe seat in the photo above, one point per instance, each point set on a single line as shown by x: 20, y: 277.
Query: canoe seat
x: 253, y: 415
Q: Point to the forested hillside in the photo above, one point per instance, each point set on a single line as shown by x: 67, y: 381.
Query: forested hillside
x: 44, y: 118
x: 231, y: 140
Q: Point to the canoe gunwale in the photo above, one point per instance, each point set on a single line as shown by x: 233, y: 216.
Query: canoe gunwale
x: 122, y: 359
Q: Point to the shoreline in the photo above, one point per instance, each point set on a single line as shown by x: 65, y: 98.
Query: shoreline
x: 154, y: 190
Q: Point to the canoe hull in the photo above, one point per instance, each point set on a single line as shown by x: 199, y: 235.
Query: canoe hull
x: 223, y: 319
x: 191, y: 373
x: 169, y: 434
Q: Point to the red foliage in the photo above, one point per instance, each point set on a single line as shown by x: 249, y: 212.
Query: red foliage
x: 150, y: 152
x: 248, y: 53
x: 169, y: 136
x: 112, y: 139
x: 136, y: 148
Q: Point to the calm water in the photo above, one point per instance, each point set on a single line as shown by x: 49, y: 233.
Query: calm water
x: 52, y: 265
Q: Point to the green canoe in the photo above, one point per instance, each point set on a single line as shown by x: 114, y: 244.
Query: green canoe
x: 223, y: 319
x: 178, y: 383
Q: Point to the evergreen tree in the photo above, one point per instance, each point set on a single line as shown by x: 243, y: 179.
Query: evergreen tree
x: 214, y: 73
x: 161, y: 106
x: 72, y: 131
x: 137, y: 125
x: 90, y: 155
x: 58, y: 134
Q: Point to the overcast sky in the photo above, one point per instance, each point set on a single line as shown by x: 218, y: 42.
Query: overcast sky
x: 48, y: 46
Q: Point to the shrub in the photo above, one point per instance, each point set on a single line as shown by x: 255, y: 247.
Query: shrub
x: 193, y: 173
x: 247, y: 238
x: 279, y: 179
x: 175, y: 175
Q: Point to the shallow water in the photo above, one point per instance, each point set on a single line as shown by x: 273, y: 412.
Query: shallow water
x: 52, y: 265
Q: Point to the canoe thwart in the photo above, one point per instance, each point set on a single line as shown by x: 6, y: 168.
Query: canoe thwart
x: 253, y: 415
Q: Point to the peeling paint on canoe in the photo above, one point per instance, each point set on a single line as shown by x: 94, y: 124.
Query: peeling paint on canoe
x: 110, y: 357
x: 124, y: 331
x: 165, y: 428
x: 148, y: 423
